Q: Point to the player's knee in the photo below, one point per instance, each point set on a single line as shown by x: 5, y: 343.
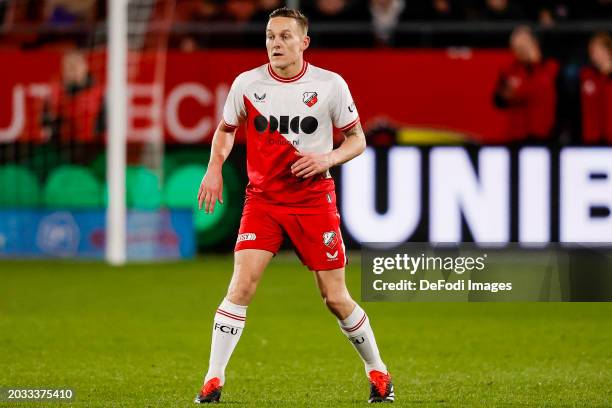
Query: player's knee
x: 241, y: 294
x: 336, y: 302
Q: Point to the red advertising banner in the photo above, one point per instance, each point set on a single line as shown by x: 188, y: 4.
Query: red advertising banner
x: 449, y: 90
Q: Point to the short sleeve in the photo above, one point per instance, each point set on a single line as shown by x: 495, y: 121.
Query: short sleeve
x: 343, y: 111
x: 234, y: 110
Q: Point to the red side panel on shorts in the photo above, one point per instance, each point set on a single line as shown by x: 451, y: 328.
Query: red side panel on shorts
x: 259, y: 229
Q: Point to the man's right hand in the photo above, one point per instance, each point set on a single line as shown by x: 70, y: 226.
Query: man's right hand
x: 211, y: 189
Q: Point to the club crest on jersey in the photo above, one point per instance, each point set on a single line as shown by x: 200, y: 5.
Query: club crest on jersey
x: 330, y: 239
x: 310, y: 98
x: 259, y: 98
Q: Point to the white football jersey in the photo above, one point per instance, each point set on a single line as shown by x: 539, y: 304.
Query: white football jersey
x: 284, y: 116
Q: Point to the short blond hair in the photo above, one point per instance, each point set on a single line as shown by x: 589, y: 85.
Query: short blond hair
x: 297, y: 15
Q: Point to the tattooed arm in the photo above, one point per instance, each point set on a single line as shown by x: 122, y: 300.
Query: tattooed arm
x: 354, y: 144
x: 310, y: 164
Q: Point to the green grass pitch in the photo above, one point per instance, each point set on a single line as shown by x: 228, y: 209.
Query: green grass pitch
x: 139, y: 336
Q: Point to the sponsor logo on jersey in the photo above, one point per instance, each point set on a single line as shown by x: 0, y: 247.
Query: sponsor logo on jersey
x: 283, y: 142
x: 259, y: 98
x: 310, y: 98
x: 330, y: 239
x: 351, y: 107
x: 285, y: 124
x: 247, y: 236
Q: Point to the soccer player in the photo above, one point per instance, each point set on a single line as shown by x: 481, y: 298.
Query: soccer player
x: 289, y: 109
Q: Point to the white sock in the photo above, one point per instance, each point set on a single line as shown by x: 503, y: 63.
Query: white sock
x: 227, y: 328
x: 358, y: 330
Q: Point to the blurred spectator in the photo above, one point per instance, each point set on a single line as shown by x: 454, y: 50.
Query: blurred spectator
x: 333, y: 11
x: 526, y: 89
x: 433, y: 10
x: 65, y: 23
x: 25, y: 15
x: 75, y: 111
x: 443, y: 10
x: 196, y: 11
x: 334, y: 15
x: 193, y: 11
x: 240, y: 11
x: 549, y: 12
x: 265, y: 7
x: 498, y: 10
x: 66, y: 12
x: 386, y: 15
x: 596, y: 91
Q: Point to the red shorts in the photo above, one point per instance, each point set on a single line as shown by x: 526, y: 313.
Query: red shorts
x: 316, y: 237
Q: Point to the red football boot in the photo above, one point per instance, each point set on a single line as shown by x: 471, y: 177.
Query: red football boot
x: 381, y: 387
x: 210, y: 392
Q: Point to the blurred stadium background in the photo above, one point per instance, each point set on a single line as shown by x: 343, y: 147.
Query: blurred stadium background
x: 486, y: 120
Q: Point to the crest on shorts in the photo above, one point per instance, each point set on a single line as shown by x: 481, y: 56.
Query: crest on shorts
x: 330, y: 239
x: 310, y: 98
